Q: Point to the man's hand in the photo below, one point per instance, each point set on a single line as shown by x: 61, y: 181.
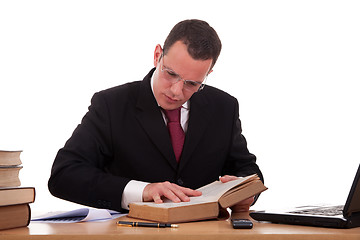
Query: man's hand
x: 242, y: 206
x: 156, y: 191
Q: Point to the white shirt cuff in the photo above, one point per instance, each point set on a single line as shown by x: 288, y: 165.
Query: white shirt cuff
x: 132, y: 193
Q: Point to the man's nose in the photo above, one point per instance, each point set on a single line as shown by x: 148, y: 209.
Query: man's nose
x: 177, y: 88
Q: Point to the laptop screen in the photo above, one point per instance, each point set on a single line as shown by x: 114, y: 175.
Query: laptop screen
x: 353, y: 201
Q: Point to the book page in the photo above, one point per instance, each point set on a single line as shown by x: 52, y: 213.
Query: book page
x: 214, y: 190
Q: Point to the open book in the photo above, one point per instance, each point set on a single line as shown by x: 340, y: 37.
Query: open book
x: 215, y: 197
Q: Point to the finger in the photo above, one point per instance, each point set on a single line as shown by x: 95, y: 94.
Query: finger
x: 175, y: 193
x: 153, y: 192
x: 190, y: 192
x: 182, y: 193
x: 172, y: 194
x: 157, y: 198
x: 227, y: 178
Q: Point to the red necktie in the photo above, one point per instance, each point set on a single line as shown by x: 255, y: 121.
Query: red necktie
x: 177, y: 134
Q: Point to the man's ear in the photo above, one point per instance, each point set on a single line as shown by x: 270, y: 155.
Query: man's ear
x: 157, y: 54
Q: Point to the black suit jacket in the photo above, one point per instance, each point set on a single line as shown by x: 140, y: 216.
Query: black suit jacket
x: 123, y: 136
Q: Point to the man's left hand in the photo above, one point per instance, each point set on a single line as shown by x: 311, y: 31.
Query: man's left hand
x: 242, y: 206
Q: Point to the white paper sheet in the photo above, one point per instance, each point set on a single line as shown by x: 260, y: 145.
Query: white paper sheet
x: 78, y: 215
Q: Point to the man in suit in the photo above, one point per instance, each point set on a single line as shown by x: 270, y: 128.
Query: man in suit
x: 129, y: 148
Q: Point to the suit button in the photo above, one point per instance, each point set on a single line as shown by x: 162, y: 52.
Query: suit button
x: 180, y: 181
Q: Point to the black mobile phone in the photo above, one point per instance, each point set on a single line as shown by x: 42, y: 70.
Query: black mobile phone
x: 241, y: 223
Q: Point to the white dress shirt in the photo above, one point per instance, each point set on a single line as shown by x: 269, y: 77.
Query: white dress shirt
x: 134, y: 189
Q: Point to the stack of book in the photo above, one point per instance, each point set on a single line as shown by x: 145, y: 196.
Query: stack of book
x: 14, y: 199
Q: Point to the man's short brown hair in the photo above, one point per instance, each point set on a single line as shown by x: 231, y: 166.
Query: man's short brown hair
x: 201, y: 39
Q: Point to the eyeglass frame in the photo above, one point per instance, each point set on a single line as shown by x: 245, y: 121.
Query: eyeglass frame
x: 172, y: 72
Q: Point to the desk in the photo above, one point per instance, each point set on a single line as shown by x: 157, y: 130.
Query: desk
x: 197, y: 230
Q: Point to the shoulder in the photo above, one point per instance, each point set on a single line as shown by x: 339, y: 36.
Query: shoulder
x: 118, y: 94
x: 216, y: 97
x: 126, y: 92
x: 121, y: 90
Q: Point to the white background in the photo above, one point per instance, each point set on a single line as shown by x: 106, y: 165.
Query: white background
x: 292, y: 65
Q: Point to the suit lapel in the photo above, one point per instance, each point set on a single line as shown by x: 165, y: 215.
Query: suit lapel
x: 150, y: 117
x: 199, y: 113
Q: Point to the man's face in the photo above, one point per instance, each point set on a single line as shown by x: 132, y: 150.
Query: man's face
x: 177, y: 64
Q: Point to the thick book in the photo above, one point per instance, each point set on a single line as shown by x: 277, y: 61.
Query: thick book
x: 9, y: 176
x: 215, y: 197
x: 17, y: 195
x: 14, y: 216
x: 10, y: 158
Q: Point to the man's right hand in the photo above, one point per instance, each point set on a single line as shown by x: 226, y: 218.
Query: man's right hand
x: 157, y: 191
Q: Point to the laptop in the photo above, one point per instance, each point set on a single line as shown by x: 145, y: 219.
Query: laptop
x: 344, y: 216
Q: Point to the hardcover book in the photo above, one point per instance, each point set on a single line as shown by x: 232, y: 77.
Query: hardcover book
x: 16, y: 195
x: 14, y: 216
x: 215, y: 197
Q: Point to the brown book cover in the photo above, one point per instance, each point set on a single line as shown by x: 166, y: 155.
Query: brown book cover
x: 10, y: 158
x: 9, y: 176
x: 14, y: 216
x: 215, y: 197
x: 16, y: 195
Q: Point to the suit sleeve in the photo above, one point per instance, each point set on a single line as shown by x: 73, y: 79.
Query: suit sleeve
x: 240, y: 161
x: 79, y: 171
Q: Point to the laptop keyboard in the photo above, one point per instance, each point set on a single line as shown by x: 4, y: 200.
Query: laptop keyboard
x: 324, y: 211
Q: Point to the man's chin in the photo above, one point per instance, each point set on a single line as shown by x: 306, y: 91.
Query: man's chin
x: 170, y: 106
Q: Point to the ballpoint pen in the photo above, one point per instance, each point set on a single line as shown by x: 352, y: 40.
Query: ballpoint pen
x: 146, y: 224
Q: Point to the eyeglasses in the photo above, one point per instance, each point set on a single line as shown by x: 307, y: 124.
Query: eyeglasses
x: 172, y: 77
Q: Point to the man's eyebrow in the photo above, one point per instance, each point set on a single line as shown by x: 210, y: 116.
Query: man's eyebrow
x: 168, y: 68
